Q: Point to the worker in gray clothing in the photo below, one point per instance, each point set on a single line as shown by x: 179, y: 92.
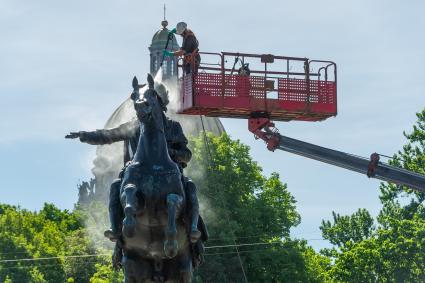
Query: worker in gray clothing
x: 189, y: 49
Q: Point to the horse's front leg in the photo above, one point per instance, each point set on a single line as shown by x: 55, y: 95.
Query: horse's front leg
x: 130, y: 210
x: 174, y: 207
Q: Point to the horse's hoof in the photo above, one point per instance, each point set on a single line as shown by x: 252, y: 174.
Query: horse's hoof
x: 129, y: 227
x: 171, y: 248
x: 194, y: 236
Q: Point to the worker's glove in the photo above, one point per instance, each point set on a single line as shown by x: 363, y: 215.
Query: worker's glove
x: 174, y: 30
x: 167, y: 53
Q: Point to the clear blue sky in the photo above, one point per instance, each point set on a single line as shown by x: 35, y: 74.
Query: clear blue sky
x: 66, y: 65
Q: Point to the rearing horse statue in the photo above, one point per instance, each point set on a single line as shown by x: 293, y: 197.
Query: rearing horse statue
x: 156, y: 245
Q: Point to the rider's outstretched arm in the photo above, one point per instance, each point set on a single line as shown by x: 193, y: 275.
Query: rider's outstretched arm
x: 107, y: 136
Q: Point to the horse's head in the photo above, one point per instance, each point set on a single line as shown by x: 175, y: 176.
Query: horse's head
x: 148, y: 105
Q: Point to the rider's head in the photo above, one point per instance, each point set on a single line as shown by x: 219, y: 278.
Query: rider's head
x: 163, y: 95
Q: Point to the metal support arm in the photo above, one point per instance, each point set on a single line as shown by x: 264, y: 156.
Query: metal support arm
x: 264, y: 129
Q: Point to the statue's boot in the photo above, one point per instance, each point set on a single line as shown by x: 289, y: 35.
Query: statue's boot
x: 115, y: 212
x: 111, y: 235
x: 195, y: 234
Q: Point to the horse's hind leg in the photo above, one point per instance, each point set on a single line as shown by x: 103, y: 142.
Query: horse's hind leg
x: 174, y: 207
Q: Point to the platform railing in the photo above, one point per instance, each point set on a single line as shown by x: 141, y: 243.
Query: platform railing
x: 313, y: 83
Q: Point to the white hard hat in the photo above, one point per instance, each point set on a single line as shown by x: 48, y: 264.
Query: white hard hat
x: 181, y: 27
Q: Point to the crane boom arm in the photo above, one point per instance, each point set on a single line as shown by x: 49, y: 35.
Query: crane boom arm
x: 264, y: 129
x: 358, y: 164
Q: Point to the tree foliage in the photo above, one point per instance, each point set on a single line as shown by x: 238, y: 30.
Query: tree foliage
x: 55, y: 239
x: 348, y: 229
x: 393, y: 251
x: 243, y: 207
x: 25, y: 234
x: 249, y: 217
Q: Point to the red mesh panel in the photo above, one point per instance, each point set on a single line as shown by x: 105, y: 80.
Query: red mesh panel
x: 257, y: 87
x: 313, y: 91
x: 243, y: 86
x: 229, y: 85
x: 233, y: 85
x: 236, y: 96
x: 208, y: 84
x: 187, y: 92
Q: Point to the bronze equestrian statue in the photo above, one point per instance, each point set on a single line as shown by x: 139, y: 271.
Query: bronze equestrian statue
x: 155, y: 242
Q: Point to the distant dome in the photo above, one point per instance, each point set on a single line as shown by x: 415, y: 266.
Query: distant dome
x: 169, y: 65
x: 162, y: 34
x: 159, y: 39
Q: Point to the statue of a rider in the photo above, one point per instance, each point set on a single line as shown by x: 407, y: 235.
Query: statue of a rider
x: 179, y: 152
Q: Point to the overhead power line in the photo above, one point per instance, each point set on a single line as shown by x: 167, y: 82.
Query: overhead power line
x: 52, y: 257
x: 244, y: 245
x: 98, y: 255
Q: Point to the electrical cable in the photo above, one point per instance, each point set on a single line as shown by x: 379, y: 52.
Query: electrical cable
x: 223, y: 203
x: 244, y: 245
x: 108, y: 255
x: 53, y: 257
x: 46, y: 265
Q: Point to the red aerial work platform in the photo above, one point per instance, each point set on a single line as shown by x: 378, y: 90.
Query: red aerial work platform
x: 277, y: 87
x: 281, y: 89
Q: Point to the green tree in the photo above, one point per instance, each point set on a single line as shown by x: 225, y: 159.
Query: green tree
x: 412, y: 157
x: 50, y: 233
x: 354, y: 228
x: 37, y: 276
x: 395, y: 250
x: 244, y: 208
x: 105, y: 274
x: 249, y: 217
x: 392, y: 255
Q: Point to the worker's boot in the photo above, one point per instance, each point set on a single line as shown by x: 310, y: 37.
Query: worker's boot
x: 115, y: 212
x: 193, y: 205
